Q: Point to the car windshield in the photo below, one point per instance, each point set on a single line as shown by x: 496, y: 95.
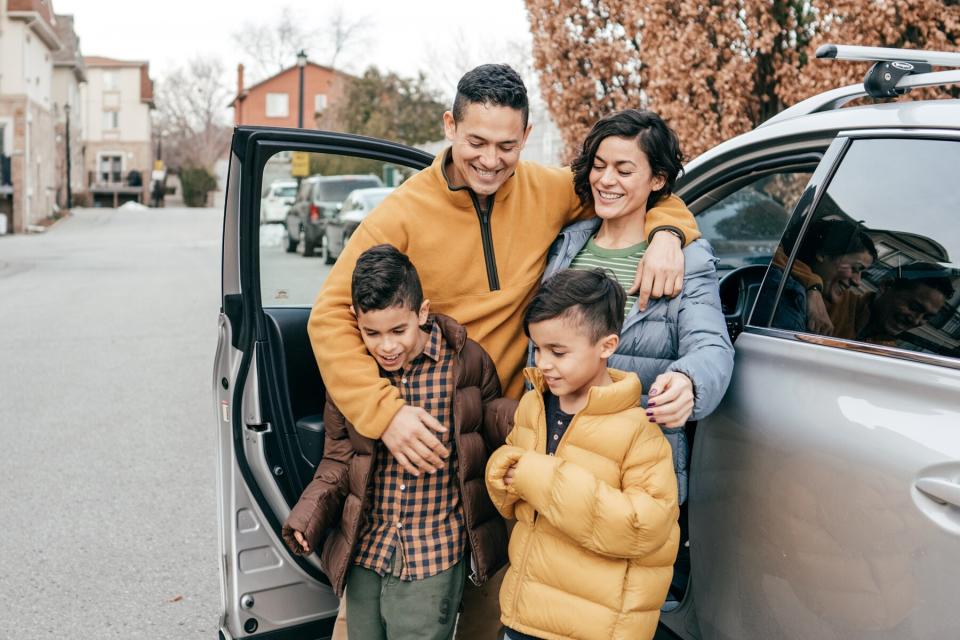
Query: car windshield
x: 337, y: 190
x: 285, y: 192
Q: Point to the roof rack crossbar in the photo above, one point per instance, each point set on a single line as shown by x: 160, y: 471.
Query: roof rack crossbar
x: 836, y: 98
x: 884, y: 54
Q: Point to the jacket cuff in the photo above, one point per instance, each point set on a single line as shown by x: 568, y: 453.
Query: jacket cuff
x: 670, y: 229
x: 533, y: 478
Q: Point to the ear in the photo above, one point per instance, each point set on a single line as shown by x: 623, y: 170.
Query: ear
x: 424, y: 312
x: 449, y: 126
x: 526, y: 134
x: 608, y: 345
x: 659, y: 182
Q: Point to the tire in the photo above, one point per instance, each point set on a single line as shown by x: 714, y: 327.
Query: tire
x: 291, y: 241
x: 325, y: 250
x: 307, y: 247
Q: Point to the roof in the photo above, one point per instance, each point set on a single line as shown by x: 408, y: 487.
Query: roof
x: 39, y: 16
x: 247, y: 90
x: 69, y: 54
x: 100, y: 61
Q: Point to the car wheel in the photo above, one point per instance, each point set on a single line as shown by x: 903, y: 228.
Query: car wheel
x: 307, y: 245
x: 325, y: 250
x: 291, y: 241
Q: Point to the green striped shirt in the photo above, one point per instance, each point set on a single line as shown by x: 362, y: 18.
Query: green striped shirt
x: 621, y: 262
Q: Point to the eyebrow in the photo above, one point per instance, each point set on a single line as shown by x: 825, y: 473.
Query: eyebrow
x: 482, y: 139
x: 617, y: 163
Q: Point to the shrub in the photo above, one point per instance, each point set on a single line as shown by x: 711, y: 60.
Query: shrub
x: 196, y: 183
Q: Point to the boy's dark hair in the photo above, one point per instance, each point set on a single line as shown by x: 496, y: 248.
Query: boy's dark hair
x: 595, y: 297
x: 384, y: 277
x: 496, y: 84
x: 655, y: 138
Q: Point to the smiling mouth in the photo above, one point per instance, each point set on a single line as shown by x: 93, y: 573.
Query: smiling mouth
x: 608, y: 196
x: 391, y: 360
x: 485, y: 173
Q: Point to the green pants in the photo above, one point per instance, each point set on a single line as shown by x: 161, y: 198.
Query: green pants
x: 388, y: 608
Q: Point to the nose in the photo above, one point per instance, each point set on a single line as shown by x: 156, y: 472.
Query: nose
x: 855, y: 278
x: 386, y: 344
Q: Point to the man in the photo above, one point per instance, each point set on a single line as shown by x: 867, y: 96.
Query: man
x: 906, y: 303
x: 477, y: 224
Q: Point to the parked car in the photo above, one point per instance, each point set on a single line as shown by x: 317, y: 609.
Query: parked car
x: 318, y: 200
x: 276, y: 200
x: 824, y: 493
x: 341, y: 226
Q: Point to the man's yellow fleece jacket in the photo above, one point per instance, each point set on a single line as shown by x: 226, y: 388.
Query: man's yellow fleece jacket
x: 479, y: 267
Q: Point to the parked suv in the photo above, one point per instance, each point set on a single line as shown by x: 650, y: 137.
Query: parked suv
x: 318, y: 199
x: 824, y: 493
x: 341, y: 226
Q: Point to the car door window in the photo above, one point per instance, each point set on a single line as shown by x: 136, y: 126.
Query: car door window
x: 882, y: 251
x: 295, y: 258
x: 744, y: 226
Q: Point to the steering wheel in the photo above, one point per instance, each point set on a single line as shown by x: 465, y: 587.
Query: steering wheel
x: 738, y: 291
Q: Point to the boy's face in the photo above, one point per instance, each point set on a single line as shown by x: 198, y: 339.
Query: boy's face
x: 393, y: 336
x: 571, y: 362
x: 486, y: 145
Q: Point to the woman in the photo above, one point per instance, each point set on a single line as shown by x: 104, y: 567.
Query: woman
x: 679, y: 346
x: 825, y: 275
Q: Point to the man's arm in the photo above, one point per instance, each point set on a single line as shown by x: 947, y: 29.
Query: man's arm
x: 351, y: 375
x: 670, y: 226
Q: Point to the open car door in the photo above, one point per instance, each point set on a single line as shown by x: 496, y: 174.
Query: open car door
x: 268, y: 392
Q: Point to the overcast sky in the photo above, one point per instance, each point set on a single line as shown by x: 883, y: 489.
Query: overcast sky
x: 403, y: 36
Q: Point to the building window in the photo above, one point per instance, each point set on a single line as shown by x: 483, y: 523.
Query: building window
x: 109, y: 80
x: 111, y: 168
x: 111, y: 120
x: 278, y: 105
x: 320, y: 102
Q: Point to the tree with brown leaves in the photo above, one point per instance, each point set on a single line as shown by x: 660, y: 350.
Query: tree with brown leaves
x: 712, y: 68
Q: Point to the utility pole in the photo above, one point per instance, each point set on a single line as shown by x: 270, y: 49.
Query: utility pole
x: 66, y: 110
x: 301, y: 62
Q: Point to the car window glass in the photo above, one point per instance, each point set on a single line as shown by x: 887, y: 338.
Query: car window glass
x: 745, y: 226
x: 882, y: 250
x: 297, y: 248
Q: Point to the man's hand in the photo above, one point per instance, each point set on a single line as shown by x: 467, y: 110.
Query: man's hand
x: 301, y: 541
x: 670, y: 399
x: 660, y: 272
x: 818, y: 320
x: 410, y: 439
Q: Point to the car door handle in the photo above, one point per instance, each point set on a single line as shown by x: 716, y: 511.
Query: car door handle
x: 940, y: 490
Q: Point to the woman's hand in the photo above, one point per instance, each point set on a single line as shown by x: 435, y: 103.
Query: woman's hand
x: 818, y: 320
x: 670, y: 400
x: 660, y: 272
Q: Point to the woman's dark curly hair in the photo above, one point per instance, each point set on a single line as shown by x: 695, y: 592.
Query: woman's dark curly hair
x: 652, y: 134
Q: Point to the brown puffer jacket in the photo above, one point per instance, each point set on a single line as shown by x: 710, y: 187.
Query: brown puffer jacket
x: 337, y: 497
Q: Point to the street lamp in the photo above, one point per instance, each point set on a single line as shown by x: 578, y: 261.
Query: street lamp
x: 301, y: 62
x: 66, y: 111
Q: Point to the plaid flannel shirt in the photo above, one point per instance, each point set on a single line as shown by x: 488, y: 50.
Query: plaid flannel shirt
x: 420, y: 517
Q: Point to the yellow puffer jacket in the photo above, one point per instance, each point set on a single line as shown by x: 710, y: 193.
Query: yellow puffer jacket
x: 591, y: 555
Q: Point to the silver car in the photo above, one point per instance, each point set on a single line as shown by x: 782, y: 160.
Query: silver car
x: 825, y: 491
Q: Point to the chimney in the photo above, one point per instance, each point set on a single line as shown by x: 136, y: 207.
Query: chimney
x: 239, y: 79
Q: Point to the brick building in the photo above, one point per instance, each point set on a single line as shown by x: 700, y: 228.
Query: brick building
x: 273, y: 102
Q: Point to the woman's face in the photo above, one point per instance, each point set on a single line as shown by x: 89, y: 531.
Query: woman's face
x: 839, y: 273
x: 621, y: 178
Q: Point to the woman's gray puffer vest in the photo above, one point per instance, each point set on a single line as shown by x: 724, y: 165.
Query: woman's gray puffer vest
x: 686, y: 334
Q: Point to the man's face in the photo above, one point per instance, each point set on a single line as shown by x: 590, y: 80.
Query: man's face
x: 393, y: 336
x: 486, y: 146
x: 900, y: 309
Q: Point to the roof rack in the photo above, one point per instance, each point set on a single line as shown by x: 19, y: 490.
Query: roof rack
x: 895, y: 72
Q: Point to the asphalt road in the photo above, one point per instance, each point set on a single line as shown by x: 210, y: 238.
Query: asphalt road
x: 107, y: 482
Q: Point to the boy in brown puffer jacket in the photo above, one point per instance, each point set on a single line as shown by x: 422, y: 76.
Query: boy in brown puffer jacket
x: 403, y: 542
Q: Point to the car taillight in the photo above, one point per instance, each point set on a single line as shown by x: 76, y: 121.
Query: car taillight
x: 314, y: 213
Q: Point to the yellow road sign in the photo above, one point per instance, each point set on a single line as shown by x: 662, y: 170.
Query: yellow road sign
x: 299, y: 164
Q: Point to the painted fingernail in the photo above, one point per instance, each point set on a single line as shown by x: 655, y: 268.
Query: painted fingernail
x: 651, y: 404
x: 654, y: 392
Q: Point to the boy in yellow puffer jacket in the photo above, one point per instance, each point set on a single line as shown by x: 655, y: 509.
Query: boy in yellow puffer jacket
x: 588, y: 478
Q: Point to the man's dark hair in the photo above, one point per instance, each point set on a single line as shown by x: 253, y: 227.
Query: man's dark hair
x: 834, y: 238
x: 384, y: 278
x: 496, y: 84
x: 592, y: 297
x: 653, y: 136
x: 929, y: 274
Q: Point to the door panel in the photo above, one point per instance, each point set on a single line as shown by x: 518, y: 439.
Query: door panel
x: 822, y: 491
x: 268, y: 392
